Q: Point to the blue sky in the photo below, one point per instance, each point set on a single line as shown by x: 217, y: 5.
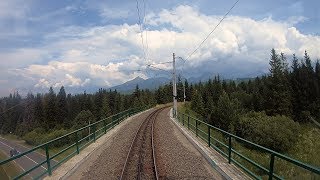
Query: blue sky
x: 98, y: 43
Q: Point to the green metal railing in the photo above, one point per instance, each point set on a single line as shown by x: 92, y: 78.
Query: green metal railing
x: 76, y: 140
x: 226, y: 146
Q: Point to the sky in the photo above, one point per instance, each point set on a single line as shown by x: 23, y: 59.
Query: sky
x: 96, y: 43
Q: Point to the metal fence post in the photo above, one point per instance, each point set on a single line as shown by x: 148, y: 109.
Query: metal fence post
x: 104, y: 126
x: 229, y: 152
x: 209, y: 136
x: 196, y: 128
x: 271, y: 167
x: 94, y: 132
x: 182, y: 119
x: 112, y: 119
x: 48, y: 160
x: 188, y: 122
x: 77, y: 142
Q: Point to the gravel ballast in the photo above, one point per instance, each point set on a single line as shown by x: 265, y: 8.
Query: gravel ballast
x: 107, y: 161
x: 177, y: 158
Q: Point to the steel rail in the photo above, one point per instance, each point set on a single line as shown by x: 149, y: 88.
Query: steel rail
x: 131, y: 146
x: 153, y: 149
x: 151, y: 116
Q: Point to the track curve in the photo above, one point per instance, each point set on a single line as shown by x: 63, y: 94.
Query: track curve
x: 140, y: 162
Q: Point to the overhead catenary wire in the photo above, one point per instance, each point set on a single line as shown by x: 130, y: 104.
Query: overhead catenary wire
x: 12, y: 107
x: 151, y: 66
x: 167, y: 62
x: 146, y: 30
x: 198, y: 47
x: 141, y: 29
x: 204, y: 40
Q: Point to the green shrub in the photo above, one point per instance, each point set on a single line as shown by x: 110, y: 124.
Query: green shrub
x: 32, y: 138
x: 275, y: 132
x: 38, y: 136
x: 55, y: 134
x: 35, y: 137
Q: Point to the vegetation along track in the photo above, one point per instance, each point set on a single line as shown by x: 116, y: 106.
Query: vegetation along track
x: 141, y: 161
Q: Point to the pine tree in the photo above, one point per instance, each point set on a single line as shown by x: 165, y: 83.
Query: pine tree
x: 280, y: 101
x: 50, y: 110
x: 62, y: 110
x: 105, y: 110
x: 28, y: 121
x: 188, y: 90
x: 84, y: 118
x: 197, y: 103
x: 38, y: 111
x: 226, y: 112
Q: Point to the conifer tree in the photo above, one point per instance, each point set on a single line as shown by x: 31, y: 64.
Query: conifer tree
x: 62, y: 110
x: 279, y: 102
x: 50, y: 109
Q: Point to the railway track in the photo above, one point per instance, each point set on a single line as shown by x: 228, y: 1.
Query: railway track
x: 141, y: 160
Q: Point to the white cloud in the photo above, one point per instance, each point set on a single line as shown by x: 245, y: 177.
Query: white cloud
x: 43, y: 83
x: 77, y: 74
x: 110, y: 55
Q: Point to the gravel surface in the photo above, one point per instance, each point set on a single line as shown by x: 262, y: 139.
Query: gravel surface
x: 140, y: 158
x: 107, y: 161
x: 176, y: 157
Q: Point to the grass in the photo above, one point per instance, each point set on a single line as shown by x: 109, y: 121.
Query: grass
x: 9, y: 170
x: 306, y: 150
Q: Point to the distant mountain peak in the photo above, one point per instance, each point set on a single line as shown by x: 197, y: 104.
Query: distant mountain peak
x: 151, y: 84
x: 138, y: 78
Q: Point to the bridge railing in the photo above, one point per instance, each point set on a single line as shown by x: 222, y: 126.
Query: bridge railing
x: 237, y: 150
x: 73, y: 142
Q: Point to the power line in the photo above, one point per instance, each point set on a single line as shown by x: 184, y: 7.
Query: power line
x: 167, y: 62
x: 159, y: 68
x: 212, y: 30
x: 23, y: 102
x: 141, y: 29
x: 146, y: 32
x: 184, y: 60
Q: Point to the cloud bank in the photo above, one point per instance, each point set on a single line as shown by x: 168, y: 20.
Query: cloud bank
x: 76, y: 56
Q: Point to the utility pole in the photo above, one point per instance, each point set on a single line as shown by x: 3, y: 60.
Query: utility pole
x: 184, y: 92
x: 174, y: 86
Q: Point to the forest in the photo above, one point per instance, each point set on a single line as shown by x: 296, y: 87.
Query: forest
x: 274, y: 104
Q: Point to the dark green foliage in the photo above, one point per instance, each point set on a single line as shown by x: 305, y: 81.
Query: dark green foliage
x: 83, y: 119
x: 293, y: 92
x: 40, y: 136
x: 197, y: 103
x: 34, y: 137
x: 62, y: 110
x: 53, y: 112
x: 280, y: 97
x: 50, y: 109
x: 275, y: 132
x: 226, y: 113
x: 105, y: 110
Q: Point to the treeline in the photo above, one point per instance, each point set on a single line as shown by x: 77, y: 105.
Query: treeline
x: 50, y: 111
x: 291, y: 91
x: 270, y: 106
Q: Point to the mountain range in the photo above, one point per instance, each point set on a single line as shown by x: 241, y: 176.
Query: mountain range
x: 127, y: 87
x: 151, y: 84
